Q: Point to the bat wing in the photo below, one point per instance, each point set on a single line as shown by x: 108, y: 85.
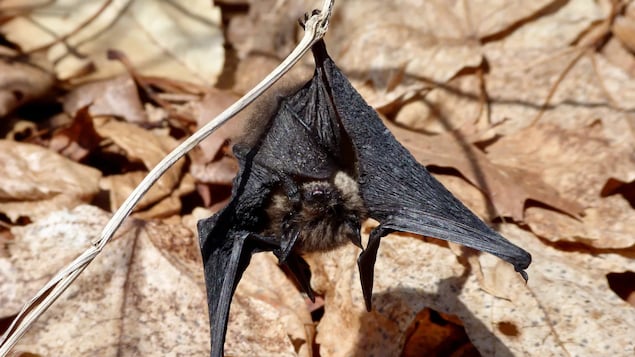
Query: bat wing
x: 301, y: 140
x: 227, y: 242
x: 304, y: 138
x: 323, y: 127
x: 398, y: 191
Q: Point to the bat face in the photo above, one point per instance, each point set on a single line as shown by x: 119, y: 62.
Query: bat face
x: 323, y: 214
x: 323, y: 163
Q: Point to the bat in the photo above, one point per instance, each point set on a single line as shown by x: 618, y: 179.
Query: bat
x: 321, y: 164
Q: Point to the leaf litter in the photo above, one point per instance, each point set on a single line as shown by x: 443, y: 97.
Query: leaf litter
x: 522, y: 109
x: 162, y: 37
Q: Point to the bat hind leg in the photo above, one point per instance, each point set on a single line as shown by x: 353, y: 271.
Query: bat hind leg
x: 301, y: 271
x: 298, y: 267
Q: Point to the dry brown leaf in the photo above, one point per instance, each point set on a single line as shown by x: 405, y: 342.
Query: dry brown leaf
x: 273, y: 295
x: 624, y: 29
x: 190, y: 220
x: 605, y: 225
x: 77, y: 140
x: 116, y: 97
x: 578, y: 163
x: 535, y: 73
x: 559, y: 25
x: 508, y: 187
x: 160, y: 37
x: 172, y: 204
x: 563, y: 310
x: 390, y: 47
x: 35, y: 181
x: 160, y: 202
x: 130, y: 288
x: 571, y: 88
x: 616, y: 54
x: 15, y: 6
x: 346, y: 329
x: 59, y: 236
x: 144, y: 295
x: 120, y: 187
x: 456, y: 105
x: 213, y: 104
x: 220, y: 172
x: 22, y: 81
x: 251, y: 70
x: 138, y: 143
x: 569, y: 290
x: 269, y: 27
x: 147, y: 147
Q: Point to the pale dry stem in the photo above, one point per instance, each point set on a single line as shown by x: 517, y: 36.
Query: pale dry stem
x: 315, y: 28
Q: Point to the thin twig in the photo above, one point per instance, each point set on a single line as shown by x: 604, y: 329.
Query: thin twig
x: 315, y: 28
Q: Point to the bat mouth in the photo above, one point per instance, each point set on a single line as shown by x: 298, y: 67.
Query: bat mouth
x: 318, y: 194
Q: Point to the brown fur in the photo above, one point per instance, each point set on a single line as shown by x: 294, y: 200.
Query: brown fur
x: 324, y: 208
x: 256, y: 117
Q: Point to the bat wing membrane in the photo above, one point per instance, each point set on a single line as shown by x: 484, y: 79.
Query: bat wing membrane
x: 227, y: 241
x: 398, y: 191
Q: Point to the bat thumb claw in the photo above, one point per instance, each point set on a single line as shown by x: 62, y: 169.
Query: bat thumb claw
x: 356, y: 236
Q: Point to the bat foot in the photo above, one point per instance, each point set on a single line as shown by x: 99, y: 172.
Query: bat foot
x: 301, y: 271
x: 302, y: 21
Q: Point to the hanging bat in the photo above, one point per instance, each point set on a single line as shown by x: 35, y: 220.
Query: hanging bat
x: 319, y: 166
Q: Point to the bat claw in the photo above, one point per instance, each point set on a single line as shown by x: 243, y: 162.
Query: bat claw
x: 288, y: 240
x: 302, y: 21
x: 356, y: 237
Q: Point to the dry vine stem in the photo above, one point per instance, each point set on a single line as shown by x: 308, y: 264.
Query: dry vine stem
x: 315, y: 28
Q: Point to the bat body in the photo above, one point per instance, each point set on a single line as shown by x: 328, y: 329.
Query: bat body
x: 324, y: 215
x: 322, y: 164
